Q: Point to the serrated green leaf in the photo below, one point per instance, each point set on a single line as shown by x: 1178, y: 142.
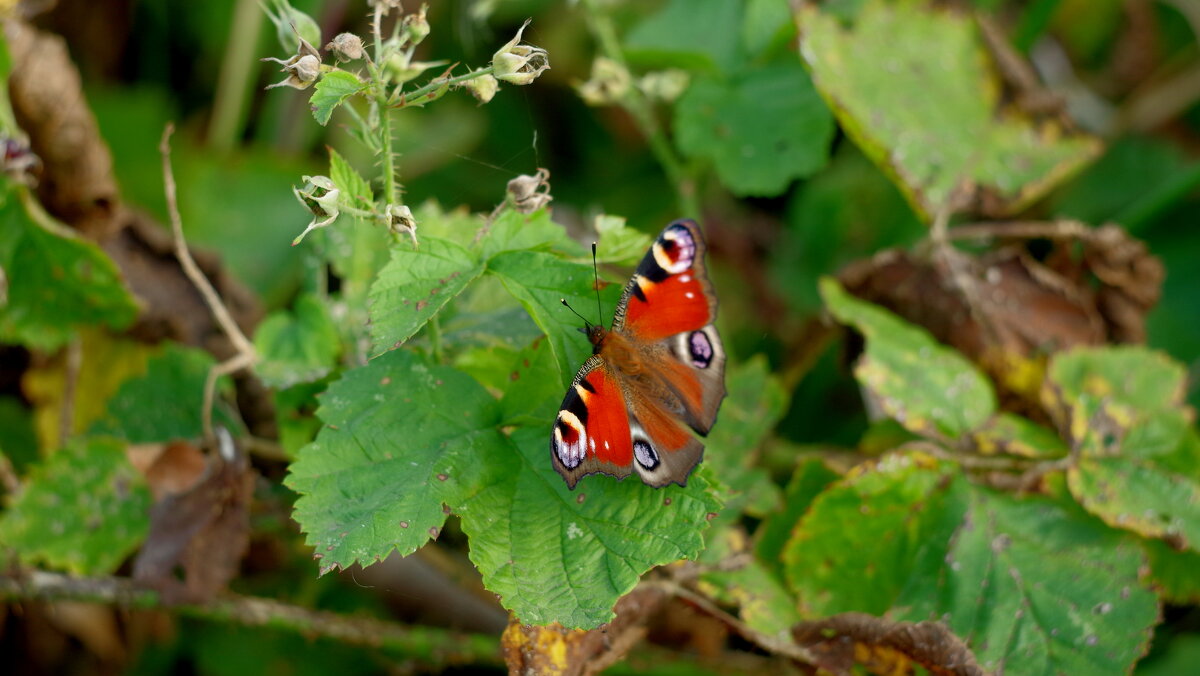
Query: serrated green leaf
x: 330, y: 91
x: 618, y: 243
x: 83, y: 510
x: 166, y: 402
x: 414, y: 286
x: 754, y: 403
x: 691, y: 34
x: 296, y: 347
x: 1013, y: 434
x: 355, y: 189
x: 400, y: 439
x: 515, y: 231
x: 929, y: 388
x: 57, y: 282
x: 539, y: 281
x: 1032, y: 585
x: 810, y: 478
x: 533, y: 393
x: 557, y: 555
x: 760, y: 131
x: 1123, y: 408
x: 934, y: 130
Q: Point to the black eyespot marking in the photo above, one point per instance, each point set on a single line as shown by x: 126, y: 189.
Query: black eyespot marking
x: 645, y: 454
x: 701, y: 349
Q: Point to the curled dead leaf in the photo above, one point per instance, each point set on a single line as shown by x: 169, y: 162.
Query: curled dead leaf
x: 885, y: 647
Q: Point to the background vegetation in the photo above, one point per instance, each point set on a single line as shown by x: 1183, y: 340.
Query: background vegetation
x: 953, y: 247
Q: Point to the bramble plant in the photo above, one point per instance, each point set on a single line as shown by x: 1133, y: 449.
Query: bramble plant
x: 1007, y: 480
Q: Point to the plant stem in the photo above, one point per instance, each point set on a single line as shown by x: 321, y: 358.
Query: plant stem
x: 439, y: 82
x: 435, y: 340
x: 680, y: 176
x: 229, y: 103
x: 429, y: 645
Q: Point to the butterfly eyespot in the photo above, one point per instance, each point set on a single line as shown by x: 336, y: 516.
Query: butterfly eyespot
x: 570, y: 440
x: 700, y: 349
x: 645, y: 454
x: 675, y: 250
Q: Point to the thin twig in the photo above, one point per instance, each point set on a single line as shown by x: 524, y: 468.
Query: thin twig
x: 245, y: 353
x: 8, y: 477
x: 66, y: 421
x: 764, y: 641
x: 1064, y: 229
x: 434, y: 646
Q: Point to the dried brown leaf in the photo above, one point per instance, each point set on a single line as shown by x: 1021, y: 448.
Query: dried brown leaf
x: 885, y: 647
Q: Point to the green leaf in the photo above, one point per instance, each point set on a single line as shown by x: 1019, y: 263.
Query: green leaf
x: 539, y: 280
x: 760, y: 131
x: 1174, y: 572
x: 1032, y: 585
x: 929, y: 388
x: 166, y: 402
x: 692, y: 34
x: 557, y: 555
x: 355, y: 189
x: 400, y: 439
x: 754, y: 403
x: 534, y: 391
x: 296, y: 347
x: 934, y: 129
x: 18, y: 440
x: 57, y: 282
x: 1123, y: 408
x: 810, y: 478
x: 84, y: 509
x: 515, y: 231
x: 331, y: 90
x: 618, y: 243
x: 295, y: 415
x: 1013, y: 434
x: 414, y: 286
x: 765, y: 604
x: 767, y: 25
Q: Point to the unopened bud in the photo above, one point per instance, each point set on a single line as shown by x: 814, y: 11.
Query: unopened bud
x: 483, y: 88
x: 609, y: 83
x: 346, y: 47
x: 415, y: 26
x: 517, y: 63
x: 664, y: 85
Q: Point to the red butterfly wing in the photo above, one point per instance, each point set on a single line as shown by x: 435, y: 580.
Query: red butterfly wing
x: 670, y: 302
x: 592, y: 432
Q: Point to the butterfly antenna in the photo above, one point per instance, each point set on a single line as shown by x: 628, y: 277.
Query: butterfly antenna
x: 568, y: 306
x: 596, y: 273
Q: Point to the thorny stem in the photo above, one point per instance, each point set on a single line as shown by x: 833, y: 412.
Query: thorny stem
x: 685, y: 189
x: 414, y: 95
x: 428, y: 645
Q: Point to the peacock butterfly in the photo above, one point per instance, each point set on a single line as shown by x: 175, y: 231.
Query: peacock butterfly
x: 659, y: 370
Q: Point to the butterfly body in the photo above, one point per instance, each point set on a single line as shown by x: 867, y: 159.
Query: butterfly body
x: 658, y: 372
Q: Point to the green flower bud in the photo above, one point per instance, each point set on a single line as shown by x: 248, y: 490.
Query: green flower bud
x: 483, y: 88
x: 517, y: 63
x: 664, y: 85
x: 609, y: 83
x: 290, y: 23
x: 415, y: 27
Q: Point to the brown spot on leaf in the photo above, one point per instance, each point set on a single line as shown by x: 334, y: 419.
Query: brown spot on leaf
x: 442, y: 477
x: 421, y: 305
x: 404, y: 524
x: 580, y: 498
